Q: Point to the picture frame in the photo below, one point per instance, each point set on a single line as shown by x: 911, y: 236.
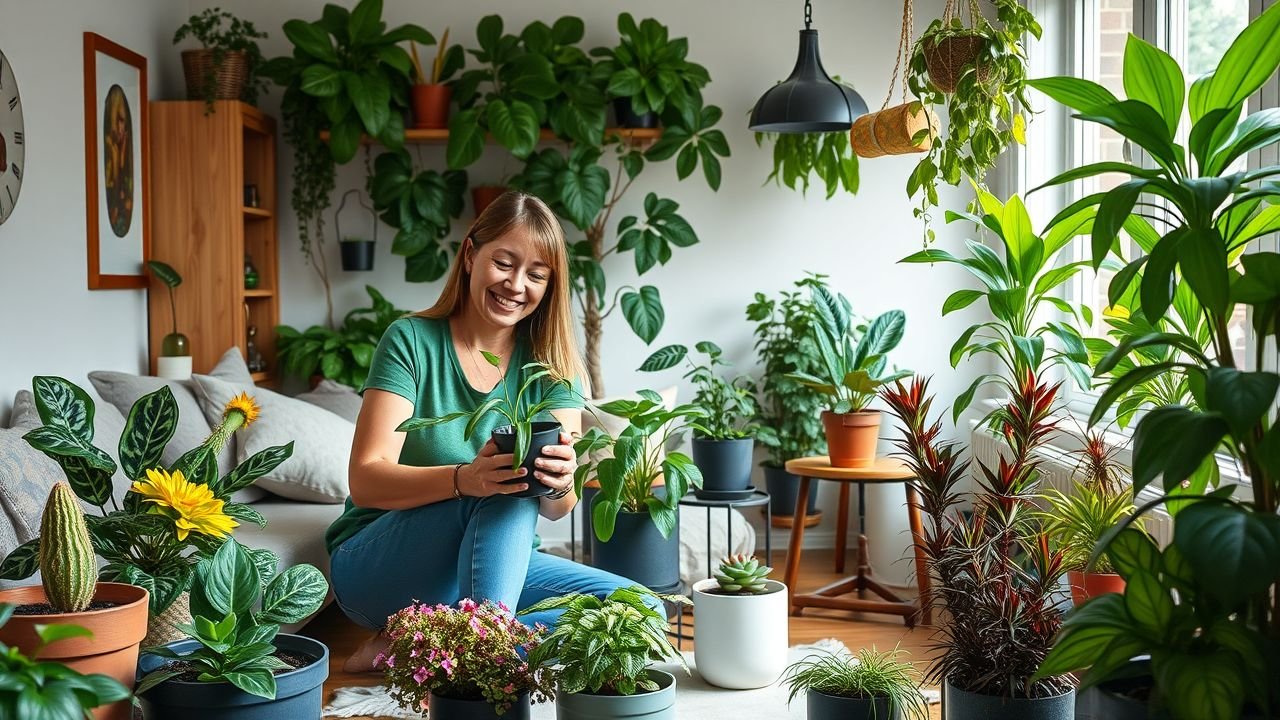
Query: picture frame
x: 117, y: 165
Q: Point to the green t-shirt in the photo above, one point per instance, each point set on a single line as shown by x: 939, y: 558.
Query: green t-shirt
x: 415, y: 360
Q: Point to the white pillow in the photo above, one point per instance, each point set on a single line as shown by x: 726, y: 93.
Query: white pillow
x: 317, y: 470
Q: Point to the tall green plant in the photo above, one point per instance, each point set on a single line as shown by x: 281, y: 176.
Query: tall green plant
x: 728, y: 404
x: 1206, y: 608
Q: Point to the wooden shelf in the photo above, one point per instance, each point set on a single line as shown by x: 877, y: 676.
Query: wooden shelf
x: 259, y: 293
x: 253, y: 213
x: 417, y: 136
x: 260, y: 377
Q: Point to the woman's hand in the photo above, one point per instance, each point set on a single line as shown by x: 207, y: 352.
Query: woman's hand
x: 484, y: 476
x: 557, y: 464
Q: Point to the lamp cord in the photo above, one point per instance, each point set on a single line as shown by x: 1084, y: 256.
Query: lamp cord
x: 808, y: 14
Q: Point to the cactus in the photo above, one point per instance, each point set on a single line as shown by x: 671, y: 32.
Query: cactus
x: 742, y: 574
x: 67, y: 566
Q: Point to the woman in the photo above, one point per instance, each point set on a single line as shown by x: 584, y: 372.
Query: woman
x: 429, y: 518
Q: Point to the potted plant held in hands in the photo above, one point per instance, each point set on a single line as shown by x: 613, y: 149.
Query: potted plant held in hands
x: 741, y: 631
x: 236, y: 664
x: 174, y: 362
x: 601, y: 648
x: 872, y: 686
x: 722, y: 442
x: 431, y: 92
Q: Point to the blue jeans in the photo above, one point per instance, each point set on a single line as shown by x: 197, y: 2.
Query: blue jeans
x: 478, y: 548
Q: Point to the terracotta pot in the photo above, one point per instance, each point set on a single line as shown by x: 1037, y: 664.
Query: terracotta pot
x: 1090, y: 585
x: 113, y: 649
x: 947, y: 59
x: 852, y: 437
x: 482, y: 195
x: 431, y: 106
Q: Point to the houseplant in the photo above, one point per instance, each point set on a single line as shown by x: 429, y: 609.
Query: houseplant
x: 242, y: 667
x: 576, y: 113
x: 741, y: 631
x: 469, y: 661
x: 524, y: 436
x: 226, y: 65
x: 601, y: 648
x: 850, y: 375
x: 978, y: 72
x: 175, y: 351
x: 111, y: 618
x: 872, y: 686
x: 797, y: 156
x: 646, y: 71
x: 1209, y: 616
x: 722, y: 438
x: 419, y: 206
x: 343, y: 355
x: 432, y: 92
x: 48, y: 689
x: 637, y: 525
x: 1075, y: 523
x: 789, y: 412
x: 995, y: 574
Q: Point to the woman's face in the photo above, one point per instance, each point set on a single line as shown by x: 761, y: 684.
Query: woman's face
x: 508, y: 278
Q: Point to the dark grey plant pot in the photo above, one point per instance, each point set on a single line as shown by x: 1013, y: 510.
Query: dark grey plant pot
x: 658, y: 705
x: 357, y: 255
x: 821, y: 706
x: 637, y: 551
x: 627, y: 118
x: 443, y: 708
x: 299, y: 693
x: 725, y: 464
x: 783, y: 488
x: 964, y: 705
x: 544, y: 434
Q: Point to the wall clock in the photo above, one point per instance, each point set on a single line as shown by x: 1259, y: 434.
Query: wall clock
x: 12, y: 142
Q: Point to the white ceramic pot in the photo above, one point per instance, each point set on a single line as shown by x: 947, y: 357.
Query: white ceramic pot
x: 176, y: 367
x: 740, y: 641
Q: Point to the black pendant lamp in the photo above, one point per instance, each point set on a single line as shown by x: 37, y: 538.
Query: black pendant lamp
x: 809, y: 101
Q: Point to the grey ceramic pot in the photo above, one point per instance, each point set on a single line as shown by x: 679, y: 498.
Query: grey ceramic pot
x: 725, y: 464
x: 964, y: 705
x: 821, y: 706
x: 299, y: 693
x: 637, y: 551
x: 443, y: 708
x: 658, y: 705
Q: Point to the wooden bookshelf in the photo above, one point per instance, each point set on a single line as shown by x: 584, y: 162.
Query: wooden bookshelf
x: 200, y: 165
x: 415, y: 136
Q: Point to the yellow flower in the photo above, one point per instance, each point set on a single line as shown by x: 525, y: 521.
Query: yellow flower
x: 192, y: 507
x: 245, y: 405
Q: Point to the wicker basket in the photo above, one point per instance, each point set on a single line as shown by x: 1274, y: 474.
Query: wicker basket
x: 228, y: 78
x: 946, y: 59
x: 890, y: 131
x: 160, y: 628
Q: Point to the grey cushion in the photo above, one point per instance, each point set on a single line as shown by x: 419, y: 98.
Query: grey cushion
x: 335, y: 397
x: 294, y: 532
x: 317, y: 471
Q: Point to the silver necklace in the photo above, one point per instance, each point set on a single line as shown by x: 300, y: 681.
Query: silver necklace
x: 471, y: 352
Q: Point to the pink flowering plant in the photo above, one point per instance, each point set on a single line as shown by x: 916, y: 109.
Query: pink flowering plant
x: 475, y: 651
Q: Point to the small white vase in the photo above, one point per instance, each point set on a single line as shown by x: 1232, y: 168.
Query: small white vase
x: 740, y: 641
x: 174, y: 367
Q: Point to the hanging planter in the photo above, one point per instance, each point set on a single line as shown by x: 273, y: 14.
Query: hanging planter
x: 899, y: 130
x: 948, y: 57
x: 357, y: 252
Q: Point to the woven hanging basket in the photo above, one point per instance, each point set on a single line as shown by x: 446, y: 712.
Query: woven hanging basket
x: 228, y: 78
x: 160, y: 628
x: 947, y: 59
x: 891, y: 131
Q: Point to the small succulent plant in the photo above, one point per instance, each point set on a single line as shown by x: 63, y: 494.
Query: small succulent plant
x: 68, y: 569
x: 743, y: 574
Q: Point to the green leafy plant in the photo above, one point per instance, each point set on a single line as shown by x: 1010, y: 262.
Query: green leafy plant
x: 344, y: 354
x: 743, y: 574
x: 649, y: 69
x: 851, y: 375
x: 1204, y: 608
x: 171, y: 518
x: 576, y: 113
x: 238, y: 603
x: 728, y: 404
x: 174, y: 344
x: 419, y: 206
x: 788, y: 418
x: 238, y: 36
x: 871, y: 674
x: 34, y: 689
x: 603, y: 645
x: 637, y: 460
x: 1076, y: 522
x: 985, y: 111
x: 518, y: 411
x: 1020, y: 291
x: 797, y: 156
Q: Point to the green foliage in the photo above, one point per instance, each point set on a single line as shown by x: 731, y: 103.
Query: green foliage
x: 1020, y: 290
x: 728, y: 405
x: 67, y: 568
x: 636, y: 460
x: 34, y: 689
x: 343, y: 355
x: 1076, y: 522
x: 237, y: 611
x: 649, y: 69
x: 419, y: 207
x: 603, y: 646
x: 985, y: 113
x: 850, y: 375
x: 239, y: 36
x: 871, y: 675
x: 796, y: 156
x: 743, y: 574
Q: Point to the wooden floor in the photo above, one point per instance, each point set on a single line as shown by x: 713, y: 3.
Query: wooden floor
x: 816, y: 569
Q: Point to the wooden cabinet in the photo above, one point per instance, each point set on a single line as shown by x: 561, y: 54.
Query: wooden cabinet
x: 201, y: 166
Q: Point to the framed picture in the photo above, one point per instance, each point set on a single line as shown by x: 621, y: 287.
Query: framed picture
x: 116, y: 163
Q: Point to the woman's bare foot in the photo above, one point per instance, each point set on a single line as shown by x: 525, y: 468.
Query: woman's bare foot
x: 361, y: 661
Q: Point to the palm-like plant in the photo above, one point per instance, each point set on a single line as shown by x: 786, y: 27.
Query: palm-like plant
x: 1078, y: 520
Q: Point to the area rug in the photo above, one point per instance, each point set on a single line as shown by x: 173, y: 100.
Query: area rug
x: 694, y: 697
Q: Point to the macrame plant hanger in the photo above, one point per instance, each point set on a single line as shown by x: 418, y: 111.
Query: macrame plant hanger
x: 906, y: 128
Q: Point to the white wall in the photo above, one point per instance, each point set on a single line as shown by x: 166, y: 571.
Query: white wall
x: 50, y: 323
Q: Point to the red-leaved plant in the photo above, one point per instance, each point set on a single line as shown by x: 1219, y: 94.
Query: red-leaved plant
x: 994, y: 573
x: 475, y: 651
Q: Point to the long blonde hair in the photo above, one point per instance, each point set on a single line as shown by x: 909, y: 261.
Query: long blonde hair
x: 550, y: 328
